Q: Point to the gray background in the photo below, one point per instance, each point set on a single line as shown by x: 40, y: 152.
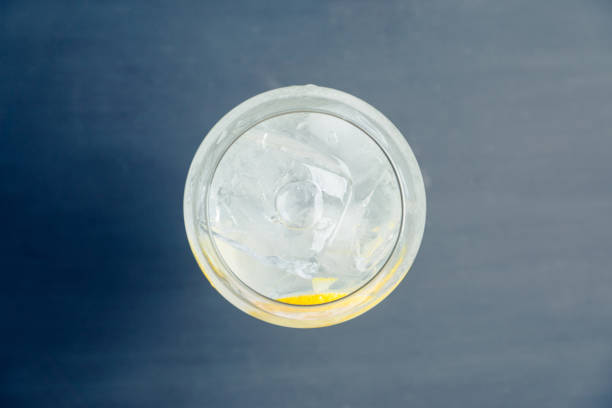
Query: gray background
x: 507, y: 105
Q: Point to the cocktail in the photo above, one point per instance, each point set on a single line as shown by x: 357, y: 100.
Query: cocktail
x: 304, y: 206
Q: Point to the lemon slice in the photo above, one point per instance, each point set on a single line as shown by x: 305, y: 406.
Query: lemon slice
x: 315, y: 299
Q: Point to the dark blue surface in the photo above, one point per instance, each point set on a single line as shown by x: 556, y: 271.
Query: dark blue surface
x: 507, y: 105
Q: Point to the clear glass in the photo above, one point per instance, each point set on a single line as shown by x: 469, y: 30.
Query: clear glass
x: 304, y: 206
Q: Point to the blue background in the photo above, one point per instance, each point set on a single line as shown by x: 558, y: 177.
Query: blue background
x: 506, y: 104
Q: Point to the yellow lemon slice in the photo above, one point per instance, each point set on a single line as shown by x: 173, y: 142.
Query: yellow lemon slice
x: 314, y: 299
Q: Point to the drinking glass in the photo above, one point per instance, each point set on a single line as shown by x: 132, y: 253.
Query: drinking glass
x: 304, y: 206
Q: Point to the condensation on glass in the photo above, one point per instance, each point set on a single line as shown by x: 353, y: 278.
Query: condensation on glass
x: 304, y: 206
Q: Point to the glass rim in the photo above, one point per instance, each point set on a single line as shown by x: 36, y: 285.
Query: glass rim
x: 306, y: 98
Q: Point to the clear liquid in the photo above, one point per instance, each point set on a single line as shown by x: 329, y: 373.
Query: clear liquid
x: 304, y: 203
